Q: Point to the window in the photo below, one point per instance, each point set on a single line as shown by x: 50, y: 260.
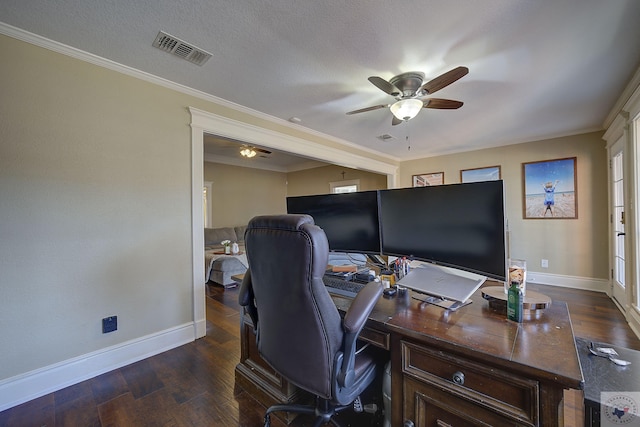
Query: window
x: 345, y: 186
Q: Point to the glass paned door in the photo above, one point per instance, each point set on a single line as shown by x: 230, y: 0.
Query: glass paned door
x: 617, y: 225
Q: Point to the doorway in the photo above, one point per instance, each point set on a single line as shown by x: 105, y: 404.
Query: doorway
x: 204, y: 122
x: 617, y: 229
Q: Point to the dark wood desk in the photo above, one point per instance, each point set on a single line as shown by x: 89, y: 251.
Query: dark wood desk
x: 467, y: 367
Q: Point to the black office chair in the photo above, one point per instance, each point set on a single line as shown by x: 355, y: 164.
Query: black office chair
x: 299, y: 330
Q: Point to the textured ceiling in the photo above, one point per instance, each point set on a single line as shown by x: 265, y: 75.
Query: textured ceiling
x: 537, y: 68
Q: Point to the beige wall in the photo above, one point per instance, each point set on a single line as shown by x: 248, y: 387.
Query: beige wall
x: 317, y: 180
x: 95, y: 208
x: 239, y: 194
x: 574, y: 247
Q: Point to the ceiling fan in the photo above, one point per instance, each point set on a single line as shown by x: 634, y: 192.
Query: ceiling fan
x: 409, y: 90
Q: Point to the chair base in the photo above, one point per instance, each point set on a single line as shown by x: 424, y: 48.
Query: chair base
x: 323, y: 411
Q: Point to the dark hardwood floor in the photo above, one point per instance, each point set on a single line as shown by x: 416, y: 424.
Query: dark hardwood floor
x: 194, y: 385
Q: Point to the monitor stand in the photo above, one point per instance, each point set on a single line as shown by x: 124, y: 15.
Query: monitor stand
x: 441, y: 302
x: 442, y: 287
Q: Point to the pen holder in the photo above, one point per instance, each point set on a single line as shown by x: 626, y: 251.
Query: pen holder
x: 389, y: 276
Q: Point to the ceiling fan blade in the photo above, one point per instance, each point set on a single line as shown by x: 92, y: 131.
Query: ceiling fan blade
x: 444, y: 80
x: 384, y: 85
x: 364, y: 110
x: 442, y: 104
x: 395, y: 121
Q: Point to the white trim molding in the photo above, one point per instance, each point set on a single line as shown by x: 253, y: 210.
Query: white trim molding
x: 31, y: 385
x: 251, y: 134
x: 584, y: 283
x: 197, y: 231
x: 634, y: 320
x: 203, y: 121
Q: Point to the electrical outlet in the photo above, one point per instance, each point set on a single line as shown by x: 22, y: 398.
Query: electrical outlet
x: 109, y: 324
x: 545, y: 263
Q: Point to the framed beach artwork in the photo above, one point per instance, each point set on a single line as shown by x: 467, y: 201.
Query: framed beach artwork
x: 491, y: 173
x: 550, y: 189
x: 428, y: 179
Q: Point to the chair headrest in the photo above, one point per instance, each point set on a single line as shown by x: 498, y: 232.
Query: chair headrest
x: 280, y: 222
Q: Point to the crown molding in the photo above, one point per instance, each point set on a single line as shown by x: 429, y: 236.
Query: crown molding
x: 629, y: 91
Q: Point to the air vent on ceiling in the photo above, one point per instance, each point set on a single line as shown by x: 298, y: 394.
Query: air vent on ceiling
x: 385, y: 137
x: 184, y: 50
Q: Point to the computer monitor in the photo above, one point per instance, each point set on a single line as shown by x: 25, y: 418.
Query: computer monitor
x: 459, y: 225
x: 350, y: 220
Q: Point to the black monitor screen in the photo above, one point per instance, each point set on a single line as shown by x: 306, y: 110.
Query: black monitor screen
x: 459, y: 225
x: 350, y: 220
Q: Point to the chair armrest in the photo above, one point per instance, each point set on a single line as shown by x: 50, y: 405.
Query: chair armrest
x: 361, y: 307
x: 353, y: 322
x: 245, y: 294
x: 246, y: 298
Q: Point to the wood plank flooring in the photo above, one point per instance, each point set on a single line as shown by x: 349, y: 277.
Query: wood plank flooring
x: 595, y: 317
x: 194, y: 385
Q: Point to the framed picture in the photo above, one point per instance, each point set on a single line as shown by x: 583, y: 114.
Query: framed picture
x: 490, y: 173
x: 428, y: 179
x: 550, y: 189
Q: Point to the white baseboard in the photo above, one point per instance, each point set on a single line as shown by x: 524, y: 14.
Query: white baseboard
x: 200, y: 328
x: 31, y: 385
x: 633, y: 318
x: 585, y: 283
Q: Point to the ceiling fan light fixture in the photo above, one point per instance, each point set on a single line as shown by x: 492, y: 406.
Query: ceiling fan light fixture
x: 248, y: 152
x: 406, y: 109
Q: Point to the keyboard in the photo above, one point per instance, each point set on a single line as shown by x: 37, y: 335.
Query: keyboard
x: 337, y: 285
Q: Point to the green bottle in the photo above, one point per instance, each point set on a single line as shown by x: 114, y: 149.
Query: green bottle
x: 515, y: 300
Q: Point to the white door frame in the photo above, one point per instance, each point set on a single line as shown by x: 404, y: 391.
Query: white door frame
x: 617, y: 236
x: 204, y: 122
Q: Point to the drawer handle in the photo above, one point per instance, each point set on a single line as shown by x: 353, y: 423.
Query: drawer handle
x: 408, y: 423
x: 458, y: 378
x: 441, y: 423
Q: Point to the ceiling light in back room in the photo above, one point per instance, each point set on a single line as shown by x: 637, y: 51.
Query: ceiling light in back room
x: 248, y: 152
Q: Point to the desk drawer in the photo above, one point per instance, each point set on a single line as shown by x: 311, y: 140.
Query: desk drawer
x: 375, y: 337
x: 429, y: 406
x: 494, y: 389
